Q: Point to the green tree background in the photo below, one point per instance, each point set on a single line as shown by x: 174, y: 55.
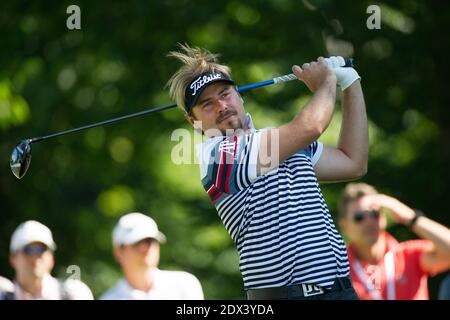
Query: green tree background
x: 52, y: 79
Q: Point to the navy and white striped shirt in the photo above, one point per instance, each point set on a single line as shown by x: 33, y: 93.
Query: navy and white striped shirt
x: 279, y: 221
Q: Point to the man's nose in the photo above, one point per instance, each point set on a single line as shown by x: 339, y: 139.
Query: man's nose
x: 221, y: 106
x: 33, y: 258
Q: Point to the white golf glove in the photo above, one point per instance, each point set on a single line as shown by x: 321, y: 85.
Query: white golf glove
x: 345, y: 76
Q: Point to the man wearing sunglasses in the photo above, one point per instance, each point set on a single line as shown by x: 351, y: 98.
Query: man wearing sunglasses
x: 32, y: 257
x: 136, y: 247
x: 381, y: 268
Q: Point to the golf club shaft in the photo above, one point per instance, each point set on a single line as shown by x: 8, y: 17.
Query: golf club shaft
x: 102, y: 123
x: 277, y: 80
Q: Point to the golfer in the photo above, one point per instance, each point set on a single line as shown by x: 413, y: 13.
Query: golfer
x: 264, y: 183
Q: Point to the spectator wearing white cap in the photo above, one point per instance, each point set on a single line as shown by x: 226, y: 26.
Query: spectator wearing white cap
x: 136, y: 247
x: 32, y: 257
x: 6, y: 288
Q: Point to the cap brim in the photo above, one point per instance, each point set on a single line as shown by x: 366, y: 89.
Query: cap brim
x: 23, y: 244
x: 132, y: 239
x: 200, y: 91
x: 161, y: 238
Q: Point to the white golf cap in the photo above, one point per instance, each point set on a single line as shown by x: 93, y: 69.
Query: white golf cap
x: 134, y: 227
x: 31, y: 231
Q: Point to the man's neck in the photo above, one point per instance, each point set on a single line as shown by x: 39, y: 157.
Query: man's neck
x: 229, y: 133
x: 371, y: 253
x: 140, y: 279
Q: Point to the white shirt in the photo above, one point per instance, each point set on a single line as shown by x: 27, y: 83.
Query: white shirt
x: 5, y: 287
x: 51, y: 290
x: 167, y: 285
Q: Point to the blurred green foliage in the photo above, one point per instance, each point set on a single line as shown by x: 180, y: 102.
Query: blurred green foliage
x: 52, y: 79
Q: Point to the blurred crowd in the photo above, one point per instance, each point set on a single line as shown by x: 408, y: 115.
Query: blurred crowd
x: 136, y: 247
x: 381, y: 268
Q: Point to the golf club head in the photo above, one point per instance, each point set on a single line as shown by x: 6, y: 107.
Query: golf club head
x: 21, y: 158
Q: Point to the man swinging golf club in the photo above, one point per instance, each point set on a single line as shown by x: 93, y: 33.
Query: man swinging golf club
x: 264, y: 183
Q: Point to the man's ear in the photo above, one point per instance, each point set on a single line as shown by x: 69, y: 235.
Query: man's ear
x: 51, y: 262
x: 342, y: 222
x: 190, y: 119
x: 195, y: 123
x: 12, y: 259
x: 117, y: 254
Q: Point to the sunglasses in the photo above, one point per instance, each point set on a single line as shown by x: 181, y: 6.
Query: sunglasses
x: 37, y: 250
x: 362, y: 215
x: 148, y: 241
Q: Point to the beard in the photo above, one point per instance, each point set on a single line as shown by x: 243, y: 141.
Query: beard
x: 232, y: 126
x: 221, y: 118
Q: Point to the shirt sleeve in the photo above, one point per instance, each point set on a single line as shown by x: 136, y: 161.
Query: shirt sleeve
x: 78, y: 290
x: 228, y: 165
x: 414, y: 249
x: 314, y: 151
x: 192, y: 287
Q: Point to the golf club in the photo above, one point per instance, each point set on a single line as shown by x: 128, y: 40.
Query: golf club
x: 21, y: 154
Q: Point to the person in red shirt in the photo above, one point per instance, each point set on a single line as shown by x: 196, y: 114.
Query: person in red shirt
x: 382, y: 268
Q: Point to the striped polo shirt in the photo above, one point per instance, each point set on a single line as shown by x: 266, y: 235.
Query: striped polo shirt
x: 279, y: 221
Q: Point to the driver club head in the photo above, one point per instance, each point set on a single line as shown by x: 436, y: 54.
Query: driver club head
x: 21, y: 158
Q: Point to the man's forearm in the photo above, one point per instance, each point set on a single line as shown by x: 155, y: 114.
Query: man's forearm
x: 353, y: 138
x: 318, y: 112
x: 430, y: 230
x: 307, y: 126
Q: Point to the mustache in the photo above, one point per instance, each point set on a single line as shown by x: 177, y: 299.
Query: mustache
x: 224, y: 115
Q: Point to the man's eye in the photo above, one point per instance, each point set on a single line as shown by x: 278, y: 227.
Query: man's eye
x: 207, y: 104
x: 225, y: 94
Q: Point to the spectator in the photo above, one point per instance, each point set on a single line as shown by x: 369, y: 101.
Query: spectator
x: 136, y: 242
x: 381, y: 268
x: 6, y: 288
x: 32, y: 257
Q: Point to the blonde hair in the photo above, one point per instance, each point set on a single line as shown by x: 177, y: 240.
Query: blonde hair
x: 352, y: 192
x: 195, y: 62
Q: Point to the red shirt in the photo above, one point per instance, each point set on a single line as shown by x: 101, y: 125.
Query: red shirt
x: 409, y: 279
